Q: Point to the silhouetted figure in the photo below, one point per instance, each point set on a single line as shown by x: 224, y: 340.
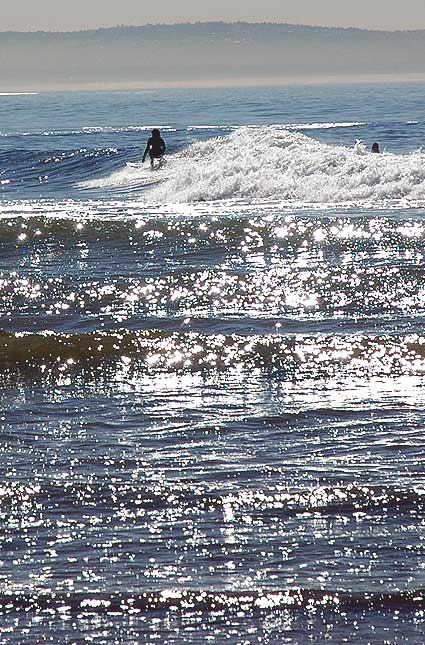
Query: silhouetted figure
x: 155, y: 146
x: 375, y: 148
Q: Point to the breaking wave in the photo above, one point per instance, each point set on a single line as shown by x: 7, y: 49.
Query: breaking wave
x: 260, y: 163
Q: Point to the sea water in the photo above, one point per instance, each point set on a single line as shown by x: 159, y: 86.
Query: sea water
x: 212, y: 374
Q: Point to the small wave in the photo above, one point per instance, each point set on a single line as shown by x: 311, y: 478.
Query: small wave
x: 191, y: 351
x: 18, y: 93
x: 287, y: 126
x: 215, y: 128
x: 349, y: 499
x: 87, y: 130
x: 206, y: 601
x: 325, y: 500
x: 325, y: 126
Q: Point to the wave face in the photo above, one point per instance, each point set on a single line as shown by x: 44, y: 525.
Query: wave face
x: 212, y: 375
x: 52, y: 171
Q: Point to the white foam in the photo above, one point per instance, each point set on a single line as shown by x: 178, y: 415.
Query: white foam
x: 271, y: 163
x: 134, y: 175
x: 287, y: 126
x: 225, y: 128
x: 324, y: 126
x: 18, y: 93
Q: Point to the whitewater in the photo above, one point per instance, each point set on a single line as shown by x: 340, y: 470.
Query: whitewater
x: 212, y: 374
x: 272, y: 163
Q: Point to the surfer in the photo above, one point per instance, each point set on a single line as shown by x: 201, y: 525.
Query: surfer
x: 375, y: 147
x: 155, y: 146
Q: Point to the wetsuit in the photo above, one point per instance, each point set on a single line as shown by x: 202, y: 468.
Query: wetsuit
x: 155, y: 147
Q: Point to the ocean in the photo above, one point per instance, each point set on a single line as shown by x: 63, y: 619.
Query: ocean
x: 212, y: 374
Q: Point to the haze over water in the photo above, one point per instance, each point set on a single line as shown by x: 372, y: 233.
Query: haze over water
x: 212, y: 374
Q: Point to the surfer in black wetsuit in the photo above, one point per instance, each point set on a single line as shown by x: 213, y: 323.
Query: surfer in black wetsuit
x: 155, y: 146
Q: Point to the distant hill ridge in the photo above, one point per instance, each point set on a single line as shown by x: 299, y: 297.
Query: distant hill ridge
x: 205, y: 27
x: 202, y: 53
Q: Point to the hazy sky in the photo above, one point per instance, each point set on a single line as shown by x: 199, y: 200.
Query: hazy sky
x: 81, y: 14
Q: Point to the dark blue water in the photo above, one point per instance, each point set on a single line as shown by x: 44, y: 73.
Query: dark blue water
x: 212, y: 402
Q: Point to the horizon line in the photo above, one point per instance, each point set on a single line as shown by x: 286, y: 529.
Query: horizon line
x: 210, y: 22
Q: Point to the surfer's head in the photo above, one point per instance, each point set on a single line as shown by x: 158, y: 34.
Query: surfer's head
x: 375, y: 147
x: 156, y: 132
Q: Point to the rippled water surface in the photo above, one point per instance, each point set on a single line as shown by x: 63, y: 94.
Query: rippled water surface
x: 212, y: 404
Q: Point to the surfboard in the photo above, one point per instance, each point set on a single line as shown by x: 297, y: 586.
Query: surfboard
x: 158, y: 164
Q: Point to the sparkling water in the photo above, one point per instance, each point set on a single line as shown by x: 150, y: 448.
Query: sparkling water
x: 211, y: 374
